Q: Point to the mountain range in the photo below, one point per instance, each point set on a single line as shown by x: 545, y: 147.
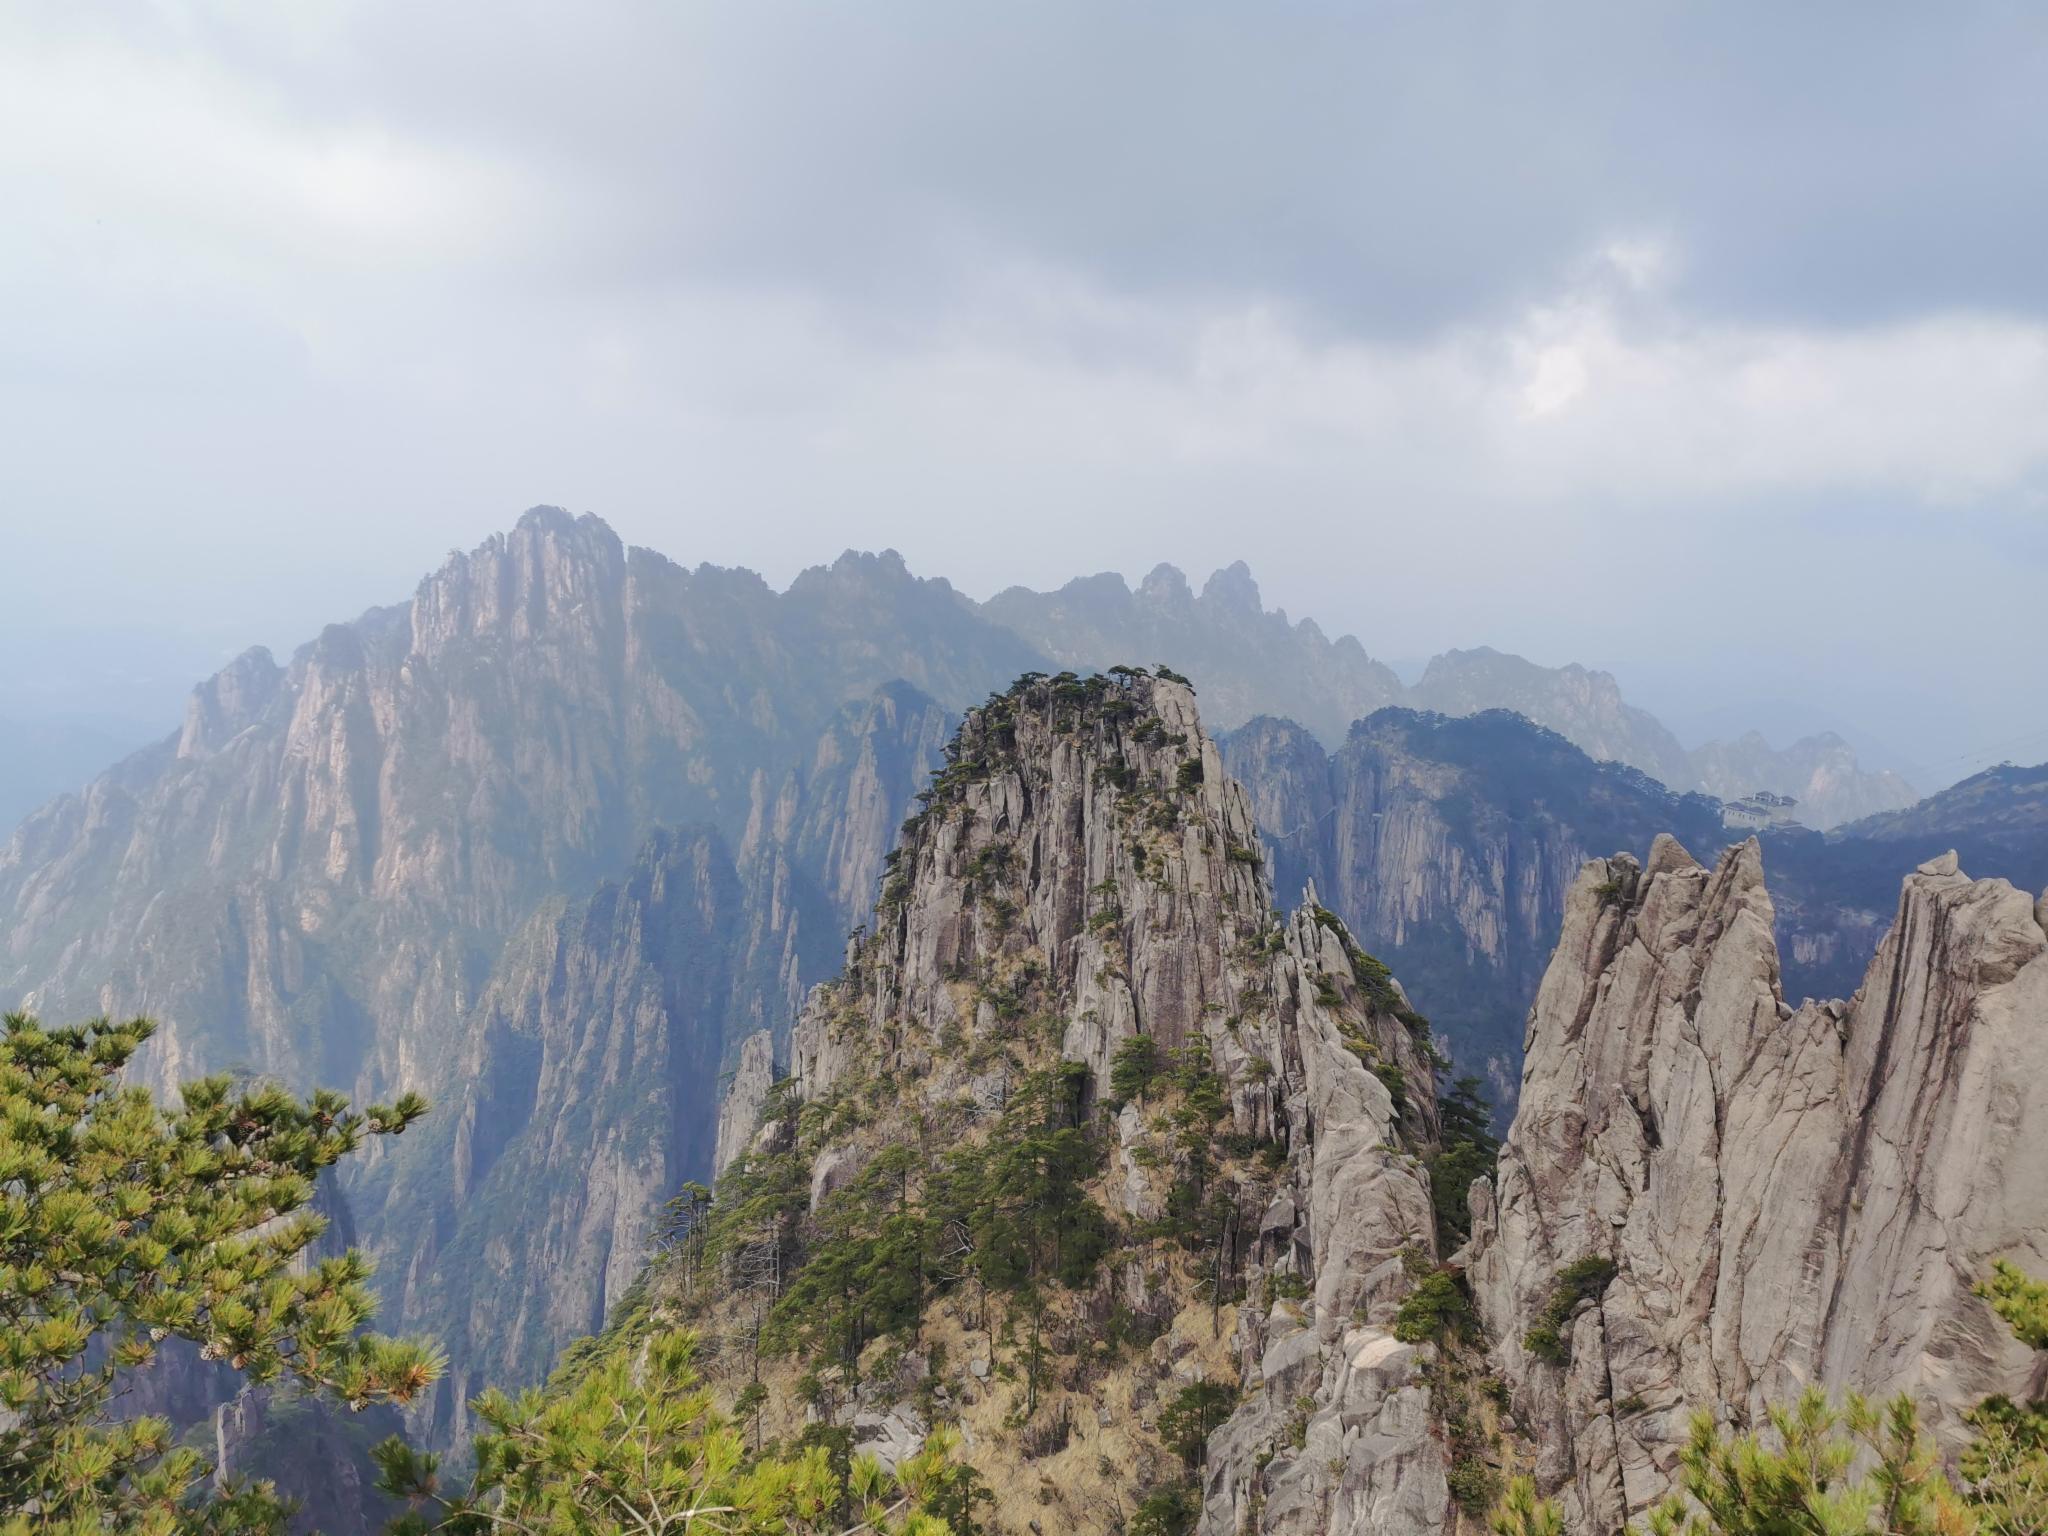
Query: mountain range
x: 1253, y: 662
x: 552, y: 840
x: 1254, y: 1284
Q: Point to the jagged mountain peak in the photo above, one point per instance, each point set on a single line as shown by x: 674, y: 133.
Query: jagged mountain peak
x: 1233, y: 587
x: 1083, y: 879
x: 861, y: 567
x: 1165, y: 586
x: 229, y: 702
x: 1784, y: 1197
x: 550, y: 570
x: 1023, y: 772
x: 1478, y: 665
x: 549, y: 519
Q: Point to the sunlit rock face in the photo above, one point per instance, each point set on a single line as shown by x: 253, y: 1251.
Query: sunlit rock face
x: 1788, y: 1196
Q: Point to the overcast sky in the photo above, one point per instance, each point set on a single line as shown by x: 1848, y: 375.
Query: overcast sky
x: 1706, y: 345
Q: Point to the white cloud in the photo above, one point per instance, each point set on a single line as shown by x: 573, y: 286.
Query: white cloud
x: 269, y: 271
x: 1557, y: 379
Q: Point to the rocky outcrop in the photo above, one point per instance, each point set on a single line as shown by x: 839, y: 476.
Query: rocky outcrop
x: 740, y: 1111
x: 1340, y: 1434
x: 1448, y: 844
x: 1136, y: 926
x: 1784, y: 1196
x: 1084, y: 863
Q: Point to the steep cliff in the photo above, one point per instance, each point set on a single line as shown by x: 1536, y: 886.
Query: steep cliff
x: 1082, y: 1136
x: 1448, y: 845
x: 375, y: 866
x: 1711, y: 1198
x: 314, y: 876
x: 584, y: 1089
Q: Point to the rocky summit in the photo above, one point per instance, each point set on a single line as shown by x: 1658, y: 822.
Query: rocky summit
x: 1707, y: 1198
x: 1076, y: 985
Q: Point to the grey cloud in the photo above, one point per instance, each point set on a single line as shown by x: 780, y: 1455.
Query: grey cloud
x: 1389, y: 167
x: 297, y: 297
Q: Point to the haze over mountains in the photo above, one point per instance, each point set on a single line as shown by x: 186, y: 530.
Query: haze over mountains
x: 1254, y: 661
x: 550, y: 841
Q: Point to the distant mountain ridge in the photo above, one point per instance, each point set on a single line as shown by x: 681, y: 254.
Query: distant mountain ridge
x: 1250, y: 661
x: 1245, y: 659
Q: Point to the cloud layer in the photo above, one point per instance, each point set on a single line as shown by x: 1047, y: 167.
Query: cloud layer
x: 1708, y: 347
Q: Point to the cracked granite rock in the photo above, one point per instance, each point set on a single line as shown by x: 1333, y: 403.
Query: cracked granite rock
x: 1789, y: 1196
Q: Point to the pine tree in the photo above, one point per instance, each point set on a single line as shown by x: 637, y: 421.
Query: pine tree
x: 1742, y: 1487
x: 1807, y: 1483
x: 635, y: 1444
x: 123, y: 1224
x: 1466, y: 1151
x: 2005, y: 1471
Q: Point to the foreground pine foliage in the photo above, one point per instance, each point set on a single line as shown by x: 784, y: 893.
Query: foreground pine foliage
x: 2006, y: 1468
x: 1854, y: 1470
x: 636, y: 1445
x: 122, y: 1225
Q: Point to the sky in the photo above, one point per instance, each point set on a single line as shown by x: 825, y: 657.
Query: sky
x: 1707, y: 344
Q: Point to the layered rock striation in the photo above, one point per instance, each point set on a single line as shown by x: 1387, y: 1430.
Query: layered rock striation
x: 1718, y: 1199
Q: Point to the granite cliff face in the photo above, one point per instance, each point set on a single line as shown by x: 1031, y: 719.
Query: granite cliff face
x: 1084, y: 874
x: 1785, y: 1196
x: 419, y: 856
x: 1448, y: 844
x: 315, y: 875
x: 584, y: 1092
